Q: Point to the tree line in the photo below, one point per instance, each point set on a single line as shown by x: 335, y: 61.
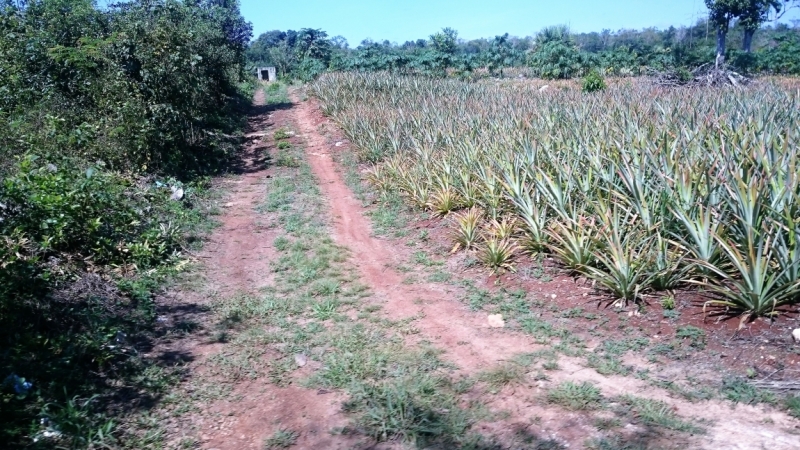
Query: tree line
x: 555, y: 52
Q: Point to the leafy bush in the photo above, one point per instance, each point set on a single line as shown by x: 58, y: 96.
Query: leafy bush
x: 593, y: 82
x: 558, y: 60
x: 110, y: 100
x: 77, y: 247
x: 96, y: 84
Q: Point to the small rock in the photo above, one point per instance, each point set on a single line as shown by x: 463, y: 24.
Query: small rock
x: 796, y: 334
x: 339, y: 144
x: 300, y: 359
x: 496, y: 321
x: 544, y: 88
x: 553, y: 296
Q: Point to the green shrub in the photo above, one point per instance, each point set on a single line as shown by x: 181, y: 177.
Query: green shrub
x: 110, y: 99
x: 593, y: 82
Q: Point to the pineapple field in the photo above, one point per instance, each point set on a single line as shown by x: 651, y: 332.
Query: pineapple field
x: 640, y: 190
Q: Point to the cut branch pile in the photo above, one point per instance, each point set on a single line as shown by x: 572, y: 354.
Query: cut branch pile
x: 707, y: 75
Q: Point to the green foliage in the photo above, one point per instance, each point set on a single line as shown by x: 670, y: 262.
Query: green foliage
x: 281, y: 439
x: 98, y: 85
x: 695, y: 336
x: 553, y: 53
x: 114, y: 103
x: 558, y: 60
x: 576, y: 396
x: 738, y: 390
x: 593, y: 82
x: 656, y: 413
x: 658, y: 205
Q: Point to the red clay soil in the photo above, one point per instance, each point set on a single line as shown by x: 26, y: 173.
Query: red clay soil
x: 472, y: 345
x: 237, y: 261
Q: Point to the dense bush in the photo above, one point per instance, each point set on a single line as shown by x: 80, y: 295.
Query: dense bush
x: 102, y: 111
x: 593, y: 82
x: 146, y: 85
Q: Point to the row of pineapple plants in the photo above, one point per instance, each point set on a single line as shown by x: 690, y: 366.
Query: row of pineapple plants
x: 637, y: 188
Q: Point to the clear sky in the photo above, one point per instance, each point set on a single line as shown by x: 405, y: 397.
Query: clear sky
x: 402, y: 20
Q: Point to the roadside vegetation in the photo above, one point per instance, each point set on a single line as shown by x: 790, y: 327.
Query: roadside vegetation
x: 110, y: 122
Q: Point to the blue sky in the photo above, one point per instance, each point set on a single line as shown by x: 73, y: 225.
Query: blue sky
x: 399, y: 21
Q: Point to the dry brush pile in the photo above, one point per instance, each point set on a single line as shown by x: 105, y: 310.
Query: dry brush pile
x: 640, y: 189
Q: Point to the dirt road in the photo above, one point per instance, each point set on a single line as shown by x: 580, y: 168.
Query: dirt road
x: 256, y: 411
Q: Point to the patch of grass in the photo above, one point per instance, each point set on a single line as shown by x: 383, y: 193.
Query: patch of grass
x: 281, y: 243
x: 695, y: 336
x: 282, y: 438
x: 276, y: 94
x: 572, y: 313
x: 285, y: 159
x: 502, y: 375
x: 419, y: 409
x: 616, y: 443
x: 439, y: 276
x: 692, y: 394
x: 738, y: 390
x: 792, y: 404
x: 607, y: 364
x: 281, y: 133
x: 540, y: 329
x: 607, y: 423
x: 421, y: 257
x: 606, y: 358
x: 324, y: 309
x: 389, y: 217
x: 655, y: 413
x: 326, y: 287
x: 576, y: 396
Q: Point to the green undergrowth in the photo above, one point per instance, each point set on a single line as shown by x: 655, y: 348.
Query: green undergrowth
x: 317, y: 313
x: 85, y: 252
x: 389, y: 214
x: 276, y: 93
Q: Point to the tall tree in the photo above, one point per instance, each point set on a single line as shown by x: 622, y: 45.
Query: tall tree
x: 750, y: 13
x: 754, y: 14
x: 720, y: 14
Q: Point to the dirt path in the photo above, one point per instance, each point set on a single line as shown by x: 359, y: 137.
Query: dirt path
x: 238, y: 261
x: 472, y: 345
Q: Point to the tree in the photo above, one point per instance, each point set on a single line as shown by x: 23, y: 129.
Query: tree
x: 445, y: 41
x: 750, y: 13
x: 720, y: 14
x: 500, y: 54
x: 556, y: 56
